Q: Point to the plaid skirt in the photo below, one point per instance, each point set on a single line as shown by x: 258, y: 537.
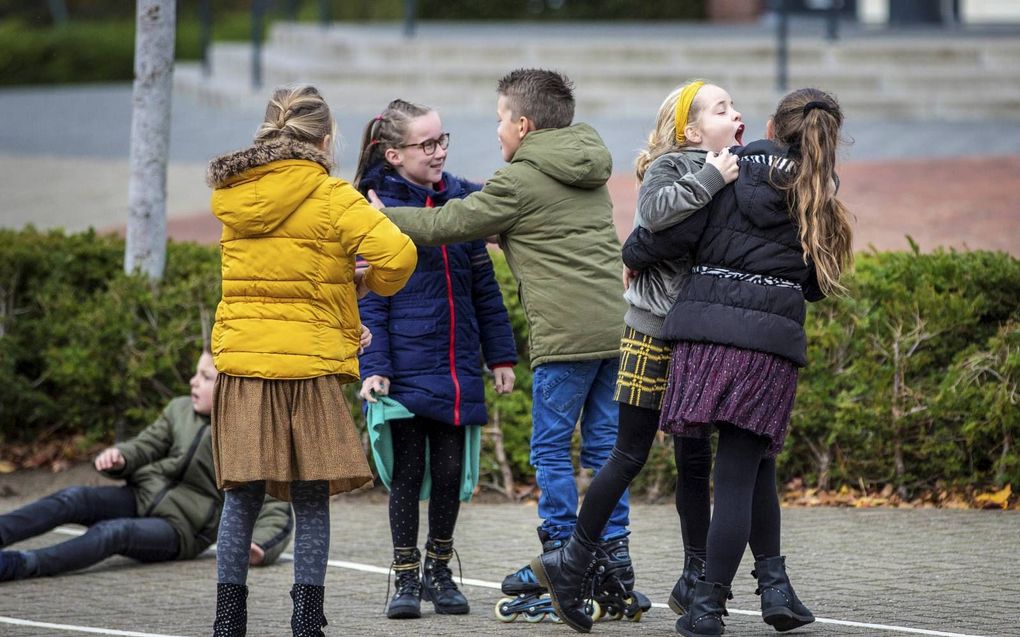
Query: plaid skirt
x: 285, y: 430
x: 644, y: 369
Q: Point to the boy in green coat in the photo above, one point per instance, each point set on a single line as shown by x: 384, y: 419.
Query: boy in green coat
x: 551, y: 210
x: 169, y: 508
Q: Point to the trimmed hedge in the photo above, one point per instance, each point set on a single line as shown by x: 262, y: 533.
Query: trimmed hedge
x: 913, y: 378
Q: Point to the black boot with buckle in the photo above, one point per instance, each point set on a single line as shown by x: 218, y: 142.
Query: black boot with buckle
x: 780, y: 607
x: 704, y: 615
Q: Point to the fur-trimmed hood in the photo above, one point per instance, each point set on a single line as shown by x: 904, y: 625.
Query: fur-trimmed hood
x: 258, y: 188
x: 225, y: 167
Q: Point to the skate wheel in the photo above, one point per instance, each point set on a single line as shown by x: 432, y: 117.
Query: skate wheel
x: 611, y: 614
x: 554, y: 618
x: 502, y: 610
x: 593, y: 609
x: 636, y: 615
x: 533, y: 618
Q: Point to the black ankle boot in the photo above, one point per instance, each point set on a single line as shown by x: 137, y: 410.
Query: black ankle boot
x: 231, y: 610
x: 705, y: 613
x: 565, y: 573
x: 780, y: 607
x: 406, y: 602
x: 437, y: 583
x: 307, y: 620
x: 683, y: 590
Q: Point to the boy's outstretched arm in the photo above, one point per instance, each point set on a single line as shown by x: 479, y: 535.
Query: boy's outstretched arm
x: 492, y: 210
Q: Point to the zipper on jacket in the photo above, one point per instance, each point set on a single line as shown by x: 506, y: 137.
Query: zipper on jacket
x: 180, y: 473
x: 453, y: 329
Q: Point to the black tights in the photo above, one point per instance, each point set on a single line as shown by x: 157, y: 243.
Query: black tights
x: 638, y: 426
x: 446, y: 459
x: 746, y: 503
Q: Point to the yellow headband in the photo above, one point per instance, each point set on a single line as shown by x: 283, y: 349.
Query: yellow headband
x: 683, y: 107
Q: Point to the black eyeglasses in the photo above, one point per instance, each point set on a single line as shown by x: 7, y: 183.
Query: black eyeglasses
x: 429, y: 145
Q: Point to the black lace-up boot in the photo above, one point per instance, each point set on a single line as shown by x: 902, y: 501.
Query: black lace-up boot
x: 566, y: 573
x: 406, y: 602
x: 437, y: 579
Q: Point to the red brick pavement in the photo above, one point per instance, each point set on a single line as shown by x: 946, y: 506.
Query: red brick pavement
x: 964, y: 203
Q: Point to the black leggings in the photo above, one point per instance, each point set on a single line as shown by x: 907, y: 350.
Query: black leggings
x: 446, y: 460
x: 746, y: 503
x: 638, y: 426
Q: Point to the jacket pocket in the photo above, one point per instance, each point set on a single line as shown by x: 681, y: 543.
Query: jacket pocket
x: 415, y: 346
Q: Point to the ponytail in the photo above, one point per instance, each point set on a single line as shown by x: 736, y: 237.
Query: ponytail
x: 809, y: 121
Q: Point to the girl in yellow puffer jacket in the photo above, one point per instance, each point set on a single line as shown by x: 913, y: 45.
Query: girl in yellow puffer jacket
x: 286, y: 338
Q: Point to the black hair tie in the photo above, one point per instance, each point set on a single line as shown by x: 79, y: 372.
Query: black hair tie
x: 810, y: 106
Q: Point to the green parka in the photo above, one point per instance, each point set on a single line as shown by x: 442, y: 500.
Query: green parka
x: 552, y: 212
x: 170, y: 467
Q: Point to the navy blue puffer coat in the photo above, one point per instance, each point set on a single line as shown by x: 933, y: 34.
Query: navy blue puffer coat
x: 429, y: 339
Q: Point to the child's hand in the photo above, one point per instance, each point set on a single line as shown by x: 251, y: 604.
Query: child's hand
x: 725, y: 163
x: 628, y: 277
x: 375, y: 200
x: 374, y: 386
x: 504, y: 379
x: 359, y: 283
x: 366, y: 339
x: 110, y: 458
x: 256, y: 555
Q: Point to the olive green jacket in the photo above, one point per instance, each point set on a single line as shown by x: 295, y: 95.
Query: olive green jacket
x: 170, y: 467
x: 552, y: 212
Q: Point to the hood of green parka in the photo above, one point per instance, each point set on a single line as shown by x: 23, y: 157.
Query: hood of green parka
x: 575, y: 155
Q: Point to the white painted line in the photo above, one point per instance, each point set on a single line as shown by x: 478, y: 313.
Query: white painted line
x: 78, y: 629
x: 368, y: 568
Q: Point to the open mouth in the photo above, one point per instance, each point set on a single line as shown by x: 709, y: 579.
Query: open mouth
x: 739, y: 136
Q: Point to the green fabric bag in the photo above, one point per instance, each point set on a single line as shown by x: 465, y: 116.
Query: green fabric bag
x: 378, y: 417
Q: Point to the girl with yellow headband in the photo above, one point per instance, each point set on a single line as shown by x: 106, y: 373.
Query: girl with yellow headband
x: 684, y: 165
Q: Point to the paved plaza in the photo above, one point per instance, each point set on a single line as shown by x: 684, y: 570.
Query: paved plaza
x: 862, y: 572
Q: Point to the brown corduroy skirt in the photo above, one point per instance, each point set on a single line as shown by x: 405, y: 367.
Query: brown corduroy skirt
x: 285, y: 430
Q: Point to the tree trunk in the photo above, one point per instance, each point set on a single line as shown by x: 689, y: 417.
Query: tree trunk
x: 150, y: 138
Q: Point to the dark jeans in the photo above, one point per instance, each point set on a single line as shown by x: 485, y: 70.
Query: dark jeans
x: 114, y: 529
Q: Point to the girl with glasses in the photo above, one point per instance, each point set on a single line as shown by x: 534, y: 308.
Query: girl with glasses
x: 423, y: 386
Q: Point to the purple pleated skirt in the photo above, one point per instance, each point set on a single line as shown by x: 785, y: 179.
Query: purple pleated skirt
x: 711, y: 383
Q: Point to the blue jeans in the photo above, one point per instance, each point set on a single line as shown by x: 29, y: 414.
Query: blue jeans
x: 563, y: 394
x: 114, y: 529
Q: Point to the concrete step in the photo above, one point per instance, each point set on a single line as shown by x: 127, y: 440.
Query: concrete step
x: 626, y: 69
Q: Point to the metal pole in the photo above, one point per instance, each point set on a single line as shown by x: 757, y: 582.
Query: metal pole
x: 782, y: 44
x: 259, y: 8
x: 325, y: 13
x: 832, y: 20
x: 410, y: 14
x: 205, y: 34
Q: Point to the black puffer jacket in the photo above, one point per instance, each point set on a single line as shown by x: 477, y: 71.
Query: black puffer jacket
x: 747, y: 228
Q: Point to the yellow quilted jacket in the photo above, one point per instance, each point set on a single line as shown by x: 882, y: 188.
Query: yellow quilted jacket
x: 289, y: 308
